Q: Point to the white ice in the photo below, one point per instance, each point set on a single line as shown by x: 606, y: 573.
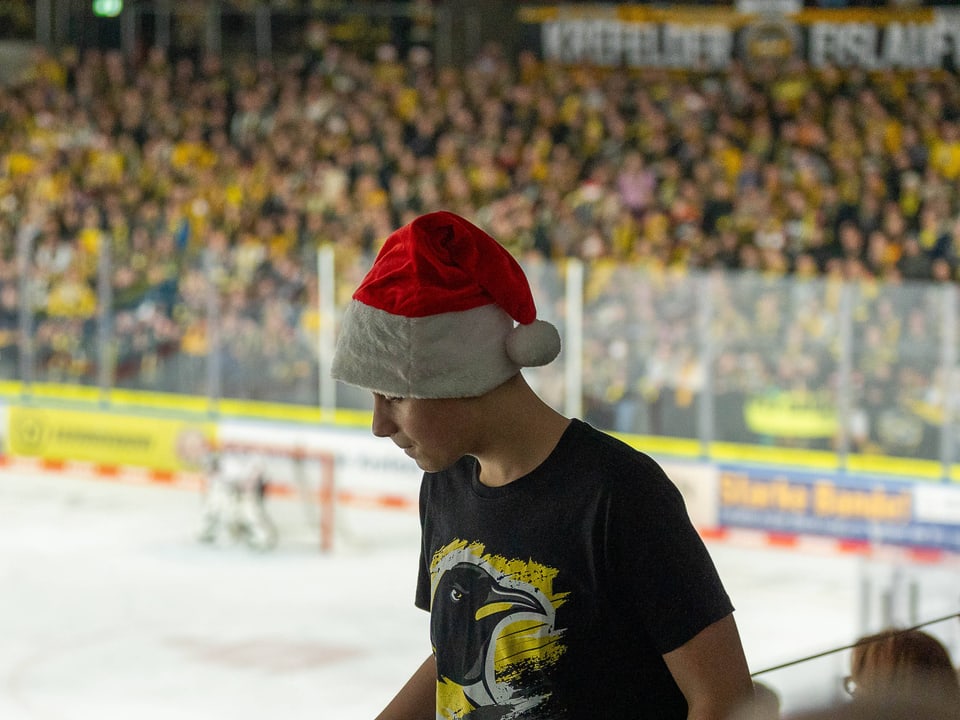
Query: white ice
x: 110, y: 610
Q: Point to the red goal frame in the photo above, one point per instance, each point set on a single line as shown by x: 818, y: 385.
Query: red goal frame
x: 323, y: 490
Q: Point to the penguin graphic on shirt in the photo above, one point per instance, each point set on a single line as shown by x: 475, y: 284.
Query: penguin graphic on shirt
x: 498, y: 626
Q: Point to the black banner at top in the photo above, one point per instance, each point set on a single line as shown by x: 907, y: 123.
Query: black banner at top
x: 709, y: 38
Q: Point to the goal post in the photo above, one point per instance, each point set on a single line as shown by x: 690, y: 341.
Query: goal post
x: 353, y: 497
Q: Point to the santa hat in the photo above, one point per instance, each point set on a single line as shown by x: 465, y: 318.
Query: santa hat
x: 434, y: 317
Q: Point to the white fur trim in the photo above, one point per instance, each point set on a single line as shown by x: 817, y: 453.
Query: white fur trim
x: 448, y: 355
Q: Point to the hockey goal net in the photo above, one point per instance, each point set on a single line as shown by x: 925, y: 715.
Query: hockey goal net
x: 299, y: 488
x: 313, y: 500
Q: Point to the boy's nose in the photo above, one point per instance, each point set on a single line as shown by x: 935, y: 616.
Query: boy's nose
x: 383, y: 424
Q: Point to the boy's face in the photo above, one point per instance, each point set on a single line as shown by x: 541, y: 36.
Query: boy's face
x: 435, y: 433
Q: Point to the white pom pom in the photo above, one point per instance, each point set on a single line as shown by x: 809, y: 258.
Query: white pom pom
x: 533, y: 345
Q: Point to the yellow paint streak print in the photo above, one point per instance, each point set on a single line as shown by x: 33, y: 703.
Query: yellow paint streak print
x: 451, y: 702
x: 524, y: 571
x: 525, y: 642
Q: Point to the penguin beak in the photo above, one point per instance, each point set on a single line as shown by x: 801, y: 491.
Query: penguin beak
x: 501, y: 601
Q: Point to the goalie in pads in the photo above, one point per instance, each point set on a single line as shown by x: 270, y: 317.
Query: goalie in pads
x: 233, y: 500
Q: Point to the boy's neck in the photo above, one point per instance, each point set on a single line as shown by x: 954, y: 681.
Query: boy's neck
x: 522, y: 432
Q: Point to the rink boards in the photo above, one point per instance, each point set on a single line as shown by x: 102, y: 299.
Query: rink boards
x: 376, y: 487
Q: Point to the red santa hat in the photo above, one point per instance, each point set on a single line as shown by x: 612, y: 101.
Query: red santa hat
x: 435, y: 316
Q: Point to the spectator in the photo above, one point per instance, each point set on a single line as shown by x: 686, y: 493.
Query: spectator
x: 903, y: 664
x: 891, y: 709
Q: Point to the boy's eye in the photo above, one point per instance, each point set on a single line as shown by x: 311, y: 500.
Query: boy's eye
x: 391, y: 398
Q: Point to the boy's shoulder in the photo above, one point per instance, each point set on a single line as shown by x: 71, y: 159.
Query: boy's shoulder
x: 585, y: 435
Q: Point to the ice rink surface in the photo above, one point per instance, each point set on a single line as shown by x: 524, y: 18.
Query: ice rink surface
x: 110, y: 610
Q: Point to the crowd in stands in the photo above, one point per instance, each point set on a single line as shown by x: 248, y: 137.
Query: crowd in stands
x: 197, y: 169
x: 763, y: 194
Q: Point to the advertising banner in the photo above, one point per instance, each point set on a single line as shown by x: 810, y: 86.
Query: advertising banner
x: 871, y: 509
x: 105, y: 439
x: 710, y: 38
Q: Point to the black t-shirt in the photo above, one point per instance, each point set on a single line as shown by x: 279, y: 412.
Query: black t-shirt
x: 555, y: 596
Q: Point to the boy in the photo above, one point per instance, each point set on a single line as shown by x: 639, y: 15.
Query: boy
x: 561, y: 572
